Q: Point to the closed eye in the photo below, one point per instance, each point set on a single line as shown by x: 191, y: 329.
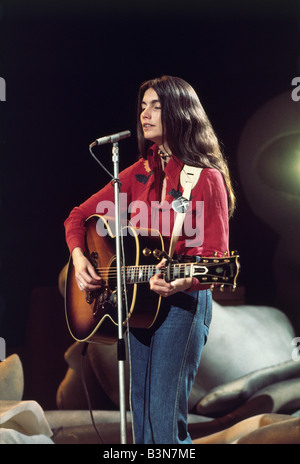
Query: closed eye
x: 155, y: 104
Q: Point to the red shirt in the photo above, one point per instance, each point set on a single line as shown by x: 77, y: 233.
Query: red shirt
x: 205, y: 230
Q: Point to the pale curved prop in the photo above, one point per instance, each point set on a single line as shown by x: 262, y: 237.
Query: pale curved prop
x: 11, y: 379
x: 241, y: 429
x: 279, y: 397
x: 25, y: 417
x: 238, y: 391
x: 280, y: 433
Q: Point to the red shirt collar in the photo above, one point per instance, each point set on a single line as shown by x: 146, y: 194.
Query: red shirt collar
x: 154, y: 160
x: 172, y: 169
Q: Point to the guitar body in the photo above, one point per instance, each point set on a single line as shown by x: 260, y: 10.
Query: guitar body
x: 92, y: 316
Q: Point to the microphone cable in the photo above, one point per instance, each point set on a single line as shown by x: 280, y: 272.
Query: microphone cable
x: 83, y: 353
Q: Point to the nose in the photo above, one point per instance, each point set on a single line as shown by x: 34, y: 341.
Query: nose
x: 146, y: 113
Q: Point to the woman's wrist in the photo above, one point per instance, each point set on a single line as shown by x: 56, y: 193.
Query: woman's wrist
x: 77, y: 253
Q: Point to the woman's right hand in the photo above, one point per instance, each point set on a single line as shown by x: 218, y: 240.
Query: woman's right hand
x: 85, y: 273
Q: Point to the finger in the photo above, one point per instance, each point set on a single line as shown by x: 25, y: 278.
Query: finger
x: 93, y: 273
x: 162, y: 263
x: 85, y: 278
x: 81, y: 286
x: 85, y: 287
x: 173, y: 286
x: 160, y: 286
x: 157, y: 280
x: 87, y: 283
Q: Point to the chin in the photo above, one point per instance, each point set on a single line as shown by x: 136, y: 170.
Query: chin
x: 153, y: 139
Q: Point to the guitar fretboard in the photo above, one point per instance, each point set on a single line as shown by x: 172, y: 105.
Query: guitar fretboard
x: 208, y: 271
x: 140, y: 274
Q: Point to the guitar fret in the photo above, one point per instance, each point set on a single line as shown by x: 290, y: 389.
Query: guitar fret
x: 187, y: 270
x: 150, y: 273
x: 130, y: 274
x: 176, y: 271
x: 181, y: 270
x: 139, y: 274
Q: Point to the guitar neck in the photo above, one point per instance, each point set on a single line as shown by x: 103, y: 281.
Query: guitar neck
x: 140, y: 274
x: 208, y: 271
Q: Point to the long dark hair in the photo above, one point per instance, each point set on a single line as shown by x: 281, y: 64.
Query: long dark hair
x: 190, y: 135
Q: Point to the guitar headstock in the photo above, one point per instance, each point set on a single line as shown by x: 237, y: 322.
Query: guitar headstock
x: 217, y: 270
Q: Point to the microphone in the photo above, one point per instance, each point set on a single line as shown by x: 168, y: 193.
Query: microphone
x: 113, y: 138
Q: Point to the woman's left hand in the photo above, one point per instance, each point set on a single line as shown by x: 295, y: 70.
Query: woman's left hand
x: 165, y: 289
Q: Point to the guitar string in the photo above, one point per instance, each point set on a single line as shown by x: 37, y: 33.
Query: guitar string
x: 145, y: 273
x: 143, y: 269
x: 171, y: 265
x: 146, y: 266
x: 181, y: 264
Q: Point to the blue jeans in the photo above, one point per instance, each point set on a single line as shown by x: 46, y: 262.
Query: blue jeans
x: 165, y: 360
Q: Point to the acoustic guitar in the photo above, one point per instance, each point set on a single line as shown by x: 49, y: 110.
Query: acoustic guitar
x: 92, y: 316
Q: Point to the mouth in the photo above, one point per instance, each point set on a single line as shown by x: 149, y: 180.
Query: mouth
x: 147, y: 126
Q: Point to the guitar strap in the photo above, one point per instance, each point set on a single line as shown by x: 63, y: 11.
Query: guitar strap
x: 189, y: 177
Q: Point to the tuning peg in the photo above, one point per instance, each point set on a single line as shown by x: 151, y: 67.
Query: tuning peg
x: 222, y: 288
x: 225, y: 254
x: 233, y: 288
x: 215, y: 254
x: 146, y: 252
x: 212, y: 287
x: 233, y: 253
x: 157, y: 253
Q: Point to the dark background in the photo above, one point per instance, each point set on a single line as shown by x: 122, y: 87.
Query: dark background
x: 72, y: 71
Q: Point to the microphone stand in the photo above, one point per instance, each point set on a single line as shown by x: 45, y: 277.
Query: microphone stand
x: 121, y: 344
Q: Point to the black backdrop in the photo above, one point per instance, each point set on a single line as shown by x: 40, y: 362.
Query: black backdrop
x: 72, y: 72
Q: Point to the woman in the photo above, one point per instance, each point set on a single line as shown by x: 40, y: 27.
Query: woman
x: 173, y: 131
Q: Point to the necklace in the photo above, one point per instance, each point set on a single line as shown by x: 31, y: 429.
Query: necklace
x: 164, y: 156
